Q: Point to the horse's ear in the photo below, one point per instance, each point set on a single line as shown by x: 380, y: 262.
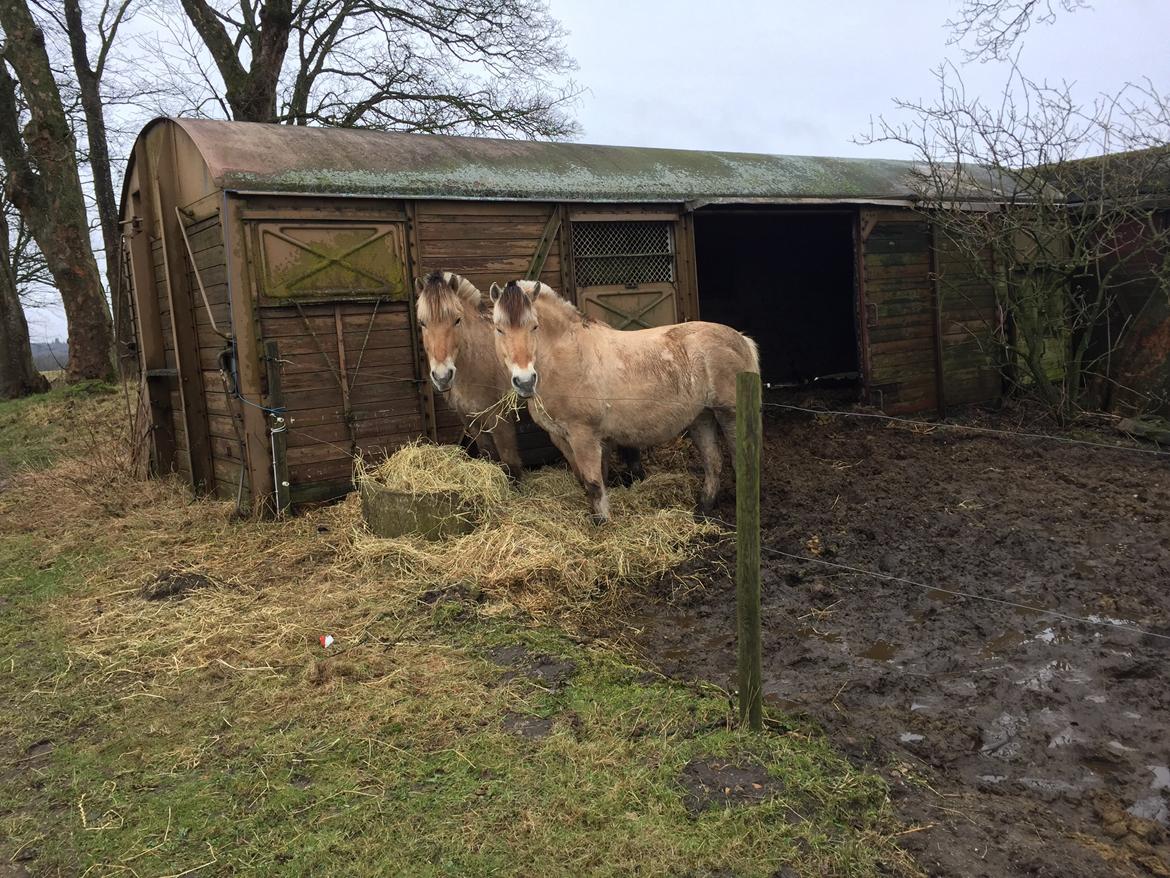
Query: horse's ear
x: 419, y: 286
x: 536, y: 289
x: 495, y: 292
x: 453, y: 282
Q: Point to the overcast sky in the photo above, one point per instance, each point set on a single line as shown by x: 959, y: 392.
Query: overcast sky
x: 803, y: 76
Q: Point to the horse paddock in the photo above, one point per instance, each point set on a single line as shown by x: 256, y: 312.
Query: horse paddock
x: 1015, y: 743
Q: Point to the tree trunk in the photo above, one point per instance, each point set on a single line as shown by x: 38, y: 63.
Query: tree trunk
x: 89, y: 86
x: 251, y: 92
x: 45, y: 187
x: 18, y: 376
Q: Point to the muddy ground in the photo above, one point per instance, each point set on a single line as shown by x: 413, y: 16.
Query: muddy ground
x: 1016, y: 743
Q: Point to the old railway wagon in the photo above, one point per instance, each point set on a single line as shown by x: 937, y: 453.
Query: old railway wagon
x: 272, y: 271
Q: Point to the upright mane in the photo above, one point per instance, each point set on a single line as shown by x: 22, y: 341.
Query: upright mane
x: 440, y: 294
x: 547, y: 294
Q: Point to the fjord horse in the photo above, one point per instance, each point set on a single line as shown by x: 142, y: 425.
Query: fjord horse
x: 590, y: 384
x: 458, y: 339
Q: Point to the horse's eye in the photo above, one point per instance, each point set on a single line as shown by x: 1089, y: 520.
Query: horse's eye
x: 500, y: 331
x: 458, y: 320
x: 535, y: 328
x: 422, y: 324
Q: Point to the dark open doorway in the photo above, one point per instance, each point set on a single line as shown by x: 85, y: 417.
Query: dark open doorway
x: 787, y: 280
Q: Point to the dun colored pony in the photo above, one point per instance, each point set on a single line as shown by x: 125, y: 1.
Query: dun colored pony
x: 592, y: 385
x: 457, y: 335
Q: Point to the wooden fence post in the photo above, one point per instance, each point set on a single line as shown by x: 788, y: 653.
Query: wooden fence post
x: 748, y: 433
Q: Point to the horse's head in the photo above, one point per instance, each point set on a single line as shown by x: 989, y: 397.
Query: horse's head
x: 443, y: 300
x: 515, y: 321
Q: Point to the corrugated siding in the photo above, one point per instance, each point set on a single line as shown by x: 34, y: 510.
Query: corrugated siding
x: 486, y: 242
x: 899, y: 298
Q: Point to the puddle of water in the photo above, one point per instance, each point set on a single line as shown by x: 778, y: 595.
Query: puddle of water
x: 911, y: 738
x: 1006, y: 642
x: 780, y: 703
x: 882, y: 651
x: 1161, y: 779
x: 1051, y: 635
x: 1041, y: 678
x: 1101, y: 767
x: 992, y: 778
x: 1153, y: 808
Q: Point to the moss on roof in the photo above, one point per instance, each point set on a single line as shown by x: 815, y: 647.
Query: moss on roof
x: 281, y: 158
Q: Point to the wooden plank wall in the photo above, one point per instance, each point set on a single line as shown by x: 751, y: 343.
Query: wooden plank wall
x: 969, y: 314
x: 899, y: 298
x: 182, y: 449
x: 901, y: 323
x: 206, y: 238
x: 486, y: 242
x: 331, y: 352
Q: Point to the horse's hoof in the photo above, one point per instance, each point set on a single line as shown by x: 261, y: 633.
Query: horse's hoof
x: 637, y: 473
x: 598, y: 520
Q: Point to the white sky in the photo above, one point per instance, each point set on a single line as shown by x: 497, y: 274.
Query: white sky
x: 803, y: 76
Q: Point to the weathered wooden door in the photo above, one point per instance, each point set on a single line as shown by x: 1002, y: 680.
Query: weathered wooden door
x: 335, y: 298
x: 625, y: 271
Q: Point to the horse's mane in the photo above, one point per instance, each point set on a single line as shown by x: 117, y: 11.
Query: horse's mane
x: 547, y: 294
x: 437, y: 300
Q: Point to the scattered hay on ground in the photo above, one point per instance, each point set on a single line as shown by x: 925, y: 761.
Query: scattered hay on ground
x: 537, y: 548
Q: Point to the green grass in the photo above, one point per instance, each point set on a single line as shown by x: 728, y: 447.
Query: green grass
x: 38, y: 430
x: 388, y: 759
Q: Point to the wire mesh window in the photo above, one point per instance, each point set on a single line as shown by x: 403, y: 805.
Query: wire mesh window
x: 620, y: 253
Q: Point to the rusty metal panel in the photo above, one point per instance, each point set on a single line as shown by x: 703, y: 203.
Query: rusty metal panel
x: 299, y: 259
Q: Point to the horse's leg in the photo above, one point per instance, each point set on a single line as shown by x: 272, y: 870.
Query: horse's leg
x: 726, y: 418
x: 566, y: 450
x: 589, y: 454
x: 703, y: 434
x: 504, y: 438
x: 632, y: 461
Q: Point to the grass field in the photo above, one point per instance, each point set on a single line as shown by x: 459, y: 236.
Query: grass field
x: 443, y: 733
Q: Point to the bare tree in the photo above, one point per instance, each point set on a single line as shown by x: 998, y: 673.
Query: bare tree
x: 478, y: 66
x: 44, y: 184
x: 89, y: 76
x: 992, y: 28
x: 18, y: 375
x: 1058, y: 205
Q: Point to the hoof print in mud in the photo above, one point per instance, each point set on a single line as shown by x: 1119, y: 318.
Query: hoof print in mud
x: 175, y: 584
x: 532, y: 727
x: 713, y: 783
x: 545, y: 670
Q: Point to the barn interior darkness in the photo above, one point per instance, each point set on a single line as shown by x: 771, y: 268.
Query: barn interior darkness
x: 785, y: 279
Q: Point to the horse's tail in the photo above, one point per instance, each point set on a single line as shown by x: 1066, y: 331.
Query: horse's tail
x: 753, y: 351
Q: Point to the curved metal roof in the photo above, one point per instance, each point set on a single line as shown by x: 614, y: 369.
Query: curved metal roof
x: 248, y: 156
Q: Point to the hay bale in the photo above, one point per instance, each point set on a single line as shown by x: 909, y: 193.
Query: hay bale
x: 433, y: 491
x: 399, y: 513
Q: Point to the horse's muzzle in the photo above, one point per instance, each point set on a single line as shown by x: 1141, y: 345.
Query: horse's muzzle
x: 525, y: 387
x: 442, y: 379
